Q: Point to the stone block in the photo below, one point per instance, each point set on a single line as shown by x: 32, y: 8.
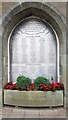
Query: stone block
x: 17, y: 9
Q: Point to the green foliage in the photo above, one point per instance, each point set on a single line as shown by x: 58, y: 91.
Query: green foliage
x: 41, y: 80
x: 23, y: 81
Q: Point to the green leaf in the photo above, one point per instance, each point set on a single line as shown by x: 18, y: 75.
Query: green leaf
x: 23, y: 81
x: 41, y: 80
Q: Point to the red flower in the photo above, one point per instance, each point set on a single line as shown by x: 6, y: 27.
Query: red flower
x: 10, y: 83
x: 7, y: 86
x: 11, y: 88
x: 32, y: 87
x: 53, y: 86
x: 57, y: 86
x: 44, y: 87
x: 14, y: 87
x: 27, y: 88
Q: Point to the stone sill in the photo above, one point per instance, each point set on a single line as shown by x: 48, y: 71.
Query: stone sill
x: 33, y: 98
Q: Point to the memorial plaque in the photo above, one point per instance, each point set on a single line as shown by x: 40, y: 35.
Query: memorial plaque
x: 33, y: 50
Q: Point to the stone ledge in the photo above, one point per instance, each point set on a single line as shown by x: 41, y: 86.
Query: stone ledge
x: 33, y: 98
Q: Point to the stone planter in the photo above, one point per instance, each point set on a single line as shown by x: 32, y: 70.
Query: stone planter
x: 33, y: 98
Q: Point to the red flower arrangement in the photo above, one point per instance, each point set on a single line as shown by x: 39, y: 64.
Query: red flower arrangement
x: 45, y: 88
x: 53, y: 87
x: 57, y: 86
x: 11, y: 86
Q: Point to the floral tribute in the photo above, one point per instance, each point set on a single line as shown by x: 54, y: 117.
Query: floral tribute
x: 40, y: 84
x: 53, y: 87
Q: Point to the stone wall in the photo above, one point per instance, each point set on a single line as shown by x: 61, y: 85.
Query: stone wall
x: 0, y: 44
x: 52, y: 15
x: 61, y: 6
x: 57, y: 19
x: 67, y: 57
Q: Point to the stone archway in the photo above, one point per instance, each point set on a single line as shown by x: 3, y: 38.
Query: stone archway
x: 43, y: 11
x: 33, y: 49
